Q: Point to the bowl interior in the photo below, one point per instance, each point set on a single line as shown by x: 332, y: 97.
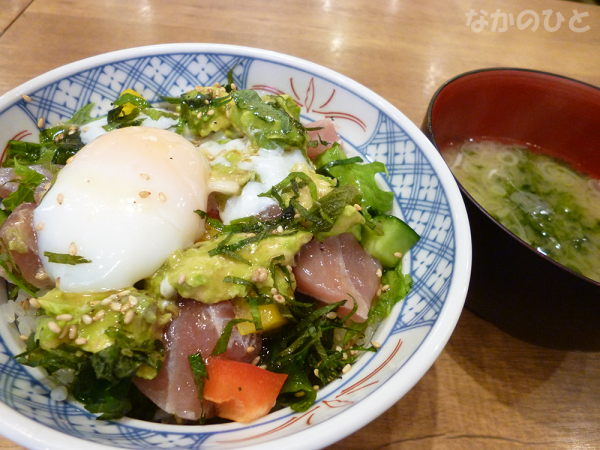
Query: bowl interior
x: 426, y: 197
x: 555, y: 114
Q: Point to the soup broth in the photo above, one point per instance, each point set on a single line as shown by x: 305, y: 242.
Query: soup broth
x: 539, y: 198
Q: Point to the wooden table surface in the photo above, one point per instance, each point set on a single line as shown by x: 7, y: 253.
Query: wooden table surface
x: 487, y: 390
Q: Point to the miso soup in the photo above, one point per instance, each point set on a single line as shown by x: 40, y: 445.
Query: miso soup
x: 539, y: 198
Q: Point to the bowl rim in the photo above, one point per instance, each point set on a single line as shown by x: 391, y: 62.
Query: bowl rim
x: 27, y: 432
x: 429, y: 131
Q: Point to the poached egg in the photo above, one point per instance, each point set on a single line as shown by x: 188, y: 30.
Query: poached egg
x: 125, y: 202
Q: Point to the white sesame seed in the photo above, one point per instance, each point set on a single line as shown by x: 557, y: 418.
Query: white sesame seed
x: 47, y: 186
x: 316, y: 371
x: 263, y: 366
x: 132, y: 300
x: 398, y: 255
x: 316, y: 387
x: 199, y: 115
x: 85, y: 130
x: 58, y: 137
x: 115, y: 306
x: 39, y: 226
x: 40, y: 122
x: 346, y: 368
x: 354, y: 352
x: 378, y: 292
x: 86, y: 318
x: 376, y: 344
x: 344, y: 356
x: 65, y: 317
x: 385, y: 287
x: 260, y: 275
x: 23, y: 337
x: 358, y: 207
x: 162, y: 197
x: 217, y: 84
x: 233, y: 87
x: 72, y: 332
x: 274, y: 291
x: 280, y: 229
x: 99, y: 315
x: 250, y: 349
x: 279, y: 298
x: 126, y: 307
x: 53, y: 326
x: 72, y: 130
x: 129, y: 316
x: 25, y: 97
x: 379, y: 273
x: 107, y: 300
x: 70, y: 160
x: 338, y: 348
x: 145, y: 176
x: 72, y: 249
x: 255, y: 361
x: 181, y: 279
x: 210, y: 112
x: 60, y: 198
x: 249, y: 235
x: 144, y: 194
x: 331, y: 315
x: 123, y: 293
x: 41, y: 274
x: 81, y: 341
x: 33, y: 302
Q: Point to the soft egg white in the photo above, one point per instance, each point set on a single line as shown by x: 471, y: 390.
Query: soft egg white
x: 125, y: 202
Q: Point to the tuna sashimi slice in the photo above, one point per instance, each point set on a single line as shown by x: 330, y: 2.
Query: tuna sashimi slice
x: 326, y: 134
x: 338, y: 269
x: 196, y: 329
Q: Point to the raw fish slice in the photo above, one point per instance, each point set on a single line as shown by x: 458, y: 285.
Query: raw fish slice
x: 18, y: 234
x: 327, y: 134
x: 196, y: 329
x: 335, y: 269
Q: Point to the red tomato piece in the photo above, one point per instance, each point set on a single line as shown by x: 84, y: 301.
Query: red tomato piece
x: 241, y: 392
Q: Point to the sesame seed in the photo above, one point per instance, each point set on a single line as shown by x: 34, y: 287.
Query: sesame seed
x: 199, y: 115
x: 217, y: 84
x: 25, y: 97
x: 358, y: 207
x: 346, y: 368
x: 72, y: 249
x: 115, y: 306
x: 70, y: 160
x: 376, y: 344
x: 126, y: 307
x: 263, y: 366
x: 65, y: 317
x: 279, y: 298
x: 274, y: 291
x: 233, y: 87
x: 124, y: 293
x: 385, y: 287
x: 25, y: 305
x: 144, y: 194
x: 47, y: 186
x: 398, y: 255
x: 72, y: 332
x: 255, y: 361
x: 53, y: 326
x: 344, y: 356
x: 39, y: 226
x: 60, y: 198
x: 297, y: 216
x: 133, y: 300
x: 338, y: 348
x: 299, y: 394
x: 181, y: 279
x: 81, y: 341
x: 86, y: 318
x: 40, y: 122
x: 72, y: 130
x: 198, y: 88
x: 249, y: 235
x: 378, y: 292
x: 23, y: 337
x: 162, y: 197
x: 250, y: 349
x: 107, y: 300
x: 129, y: 316
x: 280, y: 229
x: 99, y: 315
x: 379, y: 273
x: 260, y: 275
x: 316, y: 372
x: 145, y: 176
x: 86, y: 129
x: 331, y: 315
x: 58, y: 137
x: 316, y: 387
x: 41, y: 274
x: 354, y: 352
x: 33, y: 302
x: 210, y: 112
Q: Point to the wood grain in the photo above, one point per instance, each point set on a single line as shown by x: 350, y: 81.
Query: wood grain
x: 487, y: 390
x: 9, y: 11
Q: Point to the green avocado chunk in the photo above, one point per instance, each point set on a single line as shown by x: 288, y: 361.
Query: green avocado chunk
x: 269, y: 122
x: 69, y: 310
x: 194, y: 273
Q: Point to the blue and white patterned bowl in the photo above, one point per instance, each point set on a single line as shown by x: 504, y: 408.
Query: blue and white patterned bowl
x: 426, y: 195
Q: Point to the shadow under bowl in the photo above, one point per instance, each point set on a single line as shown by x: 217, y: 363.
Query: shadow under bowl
x: 517, y: 288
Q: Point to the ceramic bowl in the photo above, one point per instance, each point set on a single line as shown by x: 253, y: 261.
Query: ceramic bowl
x: 513, y: 285
x: 427, y: 197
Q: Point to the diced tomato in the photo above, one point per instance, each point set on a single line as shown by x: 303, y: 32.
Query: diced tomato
x: 241, y: 392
